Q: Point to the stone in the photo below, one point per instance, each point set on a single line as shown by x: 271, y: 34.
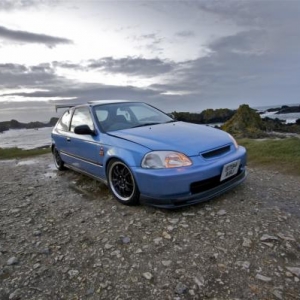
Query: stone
x: 243, y: 264
x: 263, y: 278
x: 221, y: 212
x: 147, y: 275
x: 73, y: 273
x: 199, y: 280
x: 125, y: 240
x: 286, y: 238
x: 180, y: 289
x: 12, y: 261
x: 294, y: 270
x: 157, y: 240
x: 277, y: 294
x: 15, y: 295
x: 166, y: 263
x: 166, y: 235
x: 267, y: 237
x: 173, y: 221
x: 246, y: 242
x: 108, y: 246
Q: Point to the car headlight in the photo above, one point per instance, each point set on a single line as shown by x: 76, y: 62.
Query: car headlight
x: 165, y: 159
x: 236, y: 145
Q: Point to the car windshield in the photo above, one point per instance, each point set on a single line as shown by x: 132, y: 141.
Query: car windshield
x: 125, y: 115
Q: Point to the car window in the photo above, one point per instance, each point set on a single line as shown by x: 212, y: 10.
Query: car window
x: 81, y: 116
x: 125, y: 113
x: 146, y: 113
x: 101, y: 114
x: 63, y: 123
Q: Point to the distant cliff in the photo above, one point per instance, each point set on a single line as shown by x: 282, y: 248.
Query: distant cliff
x: 14, y: 124
x: 207, y: 116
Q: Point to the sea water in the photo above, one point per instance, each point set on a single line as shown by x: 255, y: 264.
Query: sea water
x: 26, y: 138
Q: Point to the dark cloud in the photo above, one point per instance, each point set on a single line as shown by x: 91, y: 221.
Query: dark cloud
x: 132, y: 66
x: 23, y: 4
x: 135, y: 66
x: 185, y: 33
x: 29, y: 37
x: 19, y: 76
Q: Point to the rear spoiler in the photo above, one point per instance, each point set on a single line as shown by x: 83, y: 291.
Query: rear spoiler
x: 64, y: 106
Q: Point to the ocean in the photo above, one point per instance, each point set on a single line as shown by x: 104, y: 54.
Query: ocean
x: 34, y: 138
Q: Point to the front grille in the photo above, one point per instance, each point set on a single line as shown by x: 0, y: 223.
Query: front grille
x: 210, y: 183
x: 216, y: 152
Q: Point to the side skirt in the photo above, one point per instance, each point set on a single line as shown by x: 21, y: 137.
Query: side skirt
x: 86, y: 173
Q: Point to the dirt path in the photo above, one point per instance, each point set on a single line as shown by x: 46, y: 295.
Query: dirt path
x: 62, y: 236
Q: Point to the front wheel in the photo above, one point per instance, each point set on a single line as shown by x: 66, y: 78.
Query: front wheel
x: 122, y: 183
x: 59, y: 163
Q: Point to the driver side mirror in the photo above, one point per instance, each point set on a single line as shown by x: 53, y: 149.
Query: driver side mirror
x: 84, y: 129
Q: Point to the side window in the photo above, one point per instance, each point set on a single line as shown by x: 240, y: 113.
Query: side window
x: 64, y: 122
x: 81, y: 116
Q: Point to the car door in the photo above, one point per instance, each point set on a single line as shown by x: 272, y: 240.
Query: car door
x: 84, y: 148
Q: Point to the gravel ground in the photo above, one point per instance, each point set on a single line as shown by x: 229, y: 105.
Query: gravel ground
x: 63, y: 236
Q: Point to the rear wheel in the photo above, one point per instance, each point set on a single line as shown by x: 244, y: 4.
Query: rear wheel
x: 59, y: 163
x: 122, y: 183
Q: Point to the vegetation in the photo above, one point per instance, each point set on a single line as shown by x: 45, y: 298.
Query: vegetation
x: 278, y: 154
x: 206, y: 116
x: 245, y: 123
x: 10, y: 153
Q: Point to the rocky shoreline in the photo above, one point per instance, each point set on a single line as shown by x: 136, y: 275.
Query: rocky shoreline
x: 62, y: 236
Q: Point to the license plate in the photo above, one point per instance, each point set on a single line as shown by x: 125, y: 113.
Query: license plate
x: 230, y: 169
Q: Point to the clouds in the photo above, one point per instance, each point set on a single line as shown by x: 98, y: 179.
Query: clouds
x: 29, y: 37
x: 186, y: 55
x: 21, y: 4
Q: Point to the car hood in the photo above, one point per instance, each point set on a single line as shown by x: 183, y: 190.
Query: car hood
x: 190, y: 139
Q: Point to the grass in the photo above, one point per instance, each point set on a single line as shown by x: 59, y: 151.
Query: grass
x: 282, y: 155
x: 10, y: 153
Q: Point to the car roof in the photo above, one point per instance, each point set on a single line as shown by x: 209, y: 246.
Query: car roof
x: 90, y: 103
x: 97, y: 102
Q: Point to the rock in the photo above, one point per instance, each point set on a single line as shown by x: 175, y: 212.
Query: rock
x: 246, y: 242
x: 267, y: 237
x: 37, y: 265
x: 108, y: 246
x: 221, y: 212
x: 243, y: 264
x: 285, y: 237
x: 199, y: 280
x: 294, y: 270
x: 173, y: 221
x: 263, y: 278
x: 166, y: 235
x: 180, y: 288
x: 166, y: 263
x: 73, y: 273
x: 37, y: 233
x: 147, y: 275
x: 125, y: 240
x: 12, y: 261
x: 277, y: 294
x: 157, y: 240
x: 15, y: 295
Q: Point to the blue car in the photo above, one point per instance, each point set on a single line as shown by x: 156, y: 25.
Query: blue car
x: 144, y: 155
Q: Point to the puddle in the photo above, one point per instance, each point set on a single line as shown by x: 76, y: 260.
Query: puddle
x: 50, y: 174
x: 27, y: 162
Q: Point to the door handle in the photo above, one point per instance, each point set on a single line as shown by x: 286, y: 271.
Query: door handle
x: 68, y: 139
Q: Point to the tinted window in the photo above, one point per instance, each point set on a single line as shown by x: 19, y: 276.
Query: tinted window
x: 118, y: 116
x: 64, y: 122
x: 81, y: 116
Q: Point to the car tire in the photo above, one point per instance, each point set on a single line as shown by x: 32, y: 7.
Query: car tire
x: 59, y: 163
x: 121, y: 183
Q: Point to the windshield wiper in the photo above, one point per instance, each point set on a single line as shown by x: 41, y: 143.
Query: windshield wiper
x: 146, y: 124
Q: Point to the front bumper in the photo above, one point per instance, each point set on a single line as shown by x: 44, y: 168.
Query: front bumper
x: 173, y: 202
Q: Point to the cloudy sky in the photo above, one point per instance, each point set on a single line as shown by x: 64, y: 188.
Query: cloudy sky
x: 176, y: 55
